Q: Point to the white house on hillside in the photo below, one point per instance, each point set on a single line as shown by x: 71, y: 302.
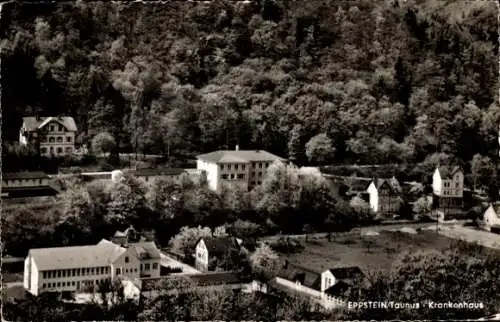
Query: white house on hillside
x: 243, y: 168
x: 490, y: 219
x: 210, y: 248
x: 55, y: 136
x: 448, y: 188
x: 385, y: 196
x: 76, y: 268
x: 331, y: 284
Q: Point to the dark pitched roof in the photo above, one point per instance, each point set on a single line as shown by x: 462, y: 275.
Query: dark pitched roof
x: 338, y: 289
x: 393, y: 184
x: 357, y: 184
x: 448, y: 171
x: 102, y: 254
x: 30, y: 123
x: 346, y: 272
x: 238, y: 156
x: 302, y: 275
x: 146, y: 250
x: 24, y: 175
x: 147, y: 172
x: 218, y: 245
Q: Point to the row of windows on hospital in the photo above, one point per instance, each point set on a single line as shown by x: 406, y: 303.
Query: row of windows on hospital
x: 73, y: 283
x: 58, y: 139
x: 243, y: 166
x: 58, y: 150
x: 75, y: 272
x: 240, y: 176
x: 91, y: 271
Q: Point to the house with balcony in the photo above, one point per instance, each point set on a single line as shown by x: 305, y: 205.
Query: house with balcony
x: 448, y: 190
x: 79, y: 268
x: 235, y: 168
x: 52, y: 136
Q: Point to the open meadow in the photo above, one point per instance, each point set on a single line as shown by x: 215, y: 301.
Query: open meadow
x: 377, y: 251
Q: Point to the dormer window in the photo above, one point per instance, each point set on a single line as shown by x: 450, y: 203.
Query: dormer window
x: 126, y: 259
x: 52, y: 128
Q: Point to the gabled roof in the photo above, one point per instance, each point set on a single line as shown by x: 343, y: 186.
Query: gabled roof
x: 304, y: 276
x: 30, y: 123
x: 102, y: 254
x: 491, y: 208
x: 392, y: 183
x: 24, y: 175
x: 338, y: 289
x: 357, y: 184
x: 346, y: 272
x: 446, y: 172
x: 146, y: 250
x: 242, y: 156
x: 219, y: 245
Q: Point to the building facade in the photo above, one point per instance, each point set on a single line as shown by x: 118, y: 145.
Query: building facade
x: 148, y: 174
x: 490, y: 219
x: 209, y: 249
x: 235, y: 168
x: 78, y: 268
x: 52, y: 136
x: 26, y: 184
x: 448, y: 189
x: 385, y: 196
x: 24, y: 179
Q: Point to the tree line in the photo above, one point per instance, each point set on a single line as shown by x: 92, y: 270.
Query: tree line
x: 360, y: 81
x: 85, y: 212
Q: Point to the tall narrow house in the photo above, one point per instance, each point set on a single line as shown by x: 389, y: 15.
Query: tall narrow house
x: 448, y: 189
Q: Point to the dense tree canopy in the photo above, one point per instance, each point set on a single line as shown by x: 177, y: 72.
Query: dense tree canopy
x: 383, y: 80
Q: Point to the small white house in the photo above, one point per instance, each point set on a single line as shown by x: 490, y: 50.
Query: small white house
x: 209, y: 248
x: 490, y: 218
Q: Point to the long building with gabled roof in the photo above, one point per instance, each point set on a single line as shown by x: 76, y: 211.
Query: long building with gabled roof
x: 76, y: 268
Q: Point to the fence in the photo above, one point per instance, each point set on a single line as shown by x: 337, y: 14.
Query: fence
x: 327, y: 301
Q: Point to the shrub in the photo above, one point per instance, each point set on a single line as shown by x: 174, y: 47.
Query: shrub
x: 287, y: 245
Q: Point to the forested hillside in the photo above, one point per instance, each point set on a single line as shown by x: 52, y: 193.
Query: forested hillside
x: 370, y: 81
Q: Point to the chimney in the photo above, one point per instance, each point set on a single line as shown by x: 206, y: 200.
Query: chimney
x: 237, y: 147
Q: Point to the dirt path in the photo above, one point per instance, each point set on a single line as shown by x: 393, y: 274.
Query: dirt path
x: 470, y: 235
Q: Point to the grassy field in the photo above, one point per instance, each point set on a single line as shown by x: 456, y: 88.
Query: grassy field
x: 364, y: 251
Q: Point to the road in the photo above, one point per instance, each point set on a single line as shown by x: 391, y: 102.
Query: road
x: 484, y: 238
